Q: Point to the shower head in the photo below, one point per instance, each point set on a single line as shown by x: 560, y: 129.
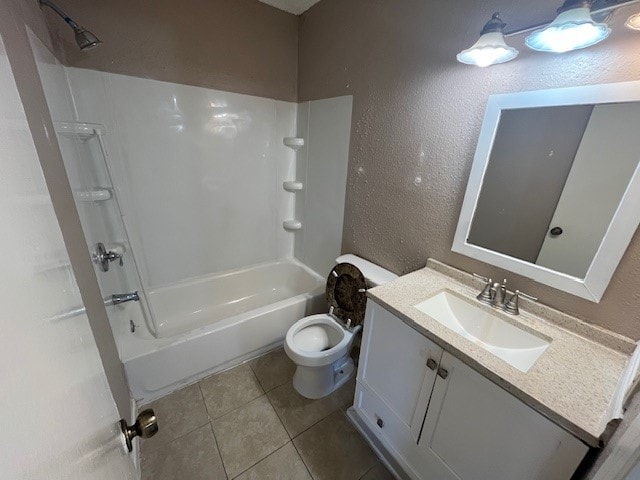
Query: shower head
x: 84, y: 38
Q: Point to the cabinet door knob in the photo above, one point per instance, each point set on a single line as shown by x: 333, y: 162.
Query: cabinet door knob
x: 442, y: 373
x: 380, y: 422
x: 432, y: 364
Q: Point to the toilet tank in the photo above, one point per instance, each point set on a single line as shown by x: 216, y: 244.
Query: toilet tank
x: 373, y: 274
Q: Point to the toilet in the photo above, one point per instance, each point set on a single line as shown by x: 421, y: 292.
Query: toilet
x: 319, y: 344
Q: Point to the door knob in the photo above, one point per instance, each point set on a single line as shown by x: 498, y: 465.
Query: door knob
x: 556, y: 231
x: 146, y: 426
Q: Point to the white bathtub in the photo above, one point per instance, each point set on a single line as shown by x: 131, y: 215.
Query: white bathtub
x: 211, y: 323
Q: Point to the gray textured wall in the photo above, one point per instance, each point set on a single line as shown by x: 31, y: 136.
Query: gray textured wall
x: 417, y: 115
x: 241, y: 46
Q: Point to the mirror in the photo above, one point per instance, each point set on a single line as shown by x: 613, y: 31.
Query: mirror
x: 554, y: 188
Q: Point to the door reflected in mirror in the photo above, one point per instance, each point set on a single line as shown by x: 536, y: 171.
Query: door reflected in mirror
x: 554, y: 189
x: 554, y: 180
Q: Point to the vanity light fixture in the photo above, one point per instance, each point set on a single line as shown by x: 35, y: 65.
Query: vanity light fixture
x: 633, y: 22
x: 490, y: 47
x: 573, y: 28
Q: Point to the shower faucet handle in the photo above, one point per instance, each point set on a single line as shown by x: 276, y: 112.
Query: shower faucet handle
x: 104, y: 257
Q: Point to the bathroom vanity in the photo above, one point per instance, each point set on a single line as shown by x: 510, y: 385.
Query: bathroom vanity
x: 449, y: 387
x: 441, y: 405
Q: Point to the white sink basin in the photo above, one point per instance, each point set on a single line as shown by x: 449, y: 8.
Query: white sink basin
x: 515, y: 346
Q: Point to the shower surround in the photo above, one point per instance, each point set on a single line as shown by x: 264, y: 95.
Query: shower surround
x: 198, y: 176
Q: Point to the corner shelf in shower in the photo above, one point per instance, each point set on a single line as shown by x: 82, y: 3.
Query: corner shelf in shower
x: 78, y: 129
x: 293, y: 186
x: 293, y: 142
x: 98, y: 195
x: 292, y: 225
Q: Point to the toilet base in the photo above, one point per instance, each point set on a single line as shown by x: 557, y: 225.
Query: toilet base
x: 318, y: 382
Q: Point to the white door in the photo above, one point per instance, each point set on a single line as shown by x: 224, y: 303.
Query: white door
x: 604, y: 165
x: 57, y: 415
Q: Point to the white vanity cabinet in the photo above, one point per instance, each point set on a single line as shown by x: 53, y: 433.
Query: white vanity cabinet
x: 446, y: 421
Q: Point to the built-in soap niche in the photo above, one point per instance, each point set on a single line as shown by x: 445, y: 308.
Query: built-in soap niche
x: 293, y: 186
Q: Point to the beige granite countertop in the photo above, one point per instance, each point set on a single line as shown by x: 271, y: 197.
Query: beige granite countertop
x: 572, y: 382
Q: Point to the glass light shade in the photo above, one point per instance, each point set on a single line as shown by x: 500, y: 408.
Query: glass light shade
x: 488, y: 50
x: 571, y: 30
x: 633, y: 22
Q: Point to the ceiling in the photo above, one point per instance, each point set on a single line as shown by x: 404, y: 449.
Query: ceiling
x: 292, y: 6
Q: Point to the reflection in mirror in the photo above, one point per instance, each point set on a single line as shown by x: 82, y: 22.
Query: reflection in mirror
x: 554, y: 181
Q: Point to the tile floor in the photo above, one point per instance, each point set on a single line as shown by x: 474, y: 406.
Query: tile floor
x: 249, y: 423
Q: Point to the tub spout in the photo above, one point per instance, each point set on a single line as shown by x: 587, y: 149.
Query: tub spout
x: 119, y: 298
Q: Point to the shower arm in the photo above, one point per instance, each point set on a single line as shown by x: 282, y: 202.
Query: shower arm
x: 59, y: 11
x: 84, y: 38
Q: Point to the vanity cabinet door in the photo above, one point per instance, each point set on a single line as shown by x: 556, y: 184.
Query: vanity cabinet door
x: 393, y: 365
x: 480, y: 431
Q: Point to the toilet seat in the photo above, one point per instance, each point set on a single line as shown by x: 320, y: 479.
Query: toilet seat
x: 297, y: 344
x: 319, y: 340
x: 346, y: 294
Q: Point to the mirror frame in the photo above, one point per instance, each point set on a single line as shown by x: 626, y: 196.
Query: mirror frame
x: 625, y: 220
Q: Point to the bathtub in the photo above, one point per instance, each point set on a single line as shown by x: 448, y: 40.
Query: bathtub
x: 211, y: 323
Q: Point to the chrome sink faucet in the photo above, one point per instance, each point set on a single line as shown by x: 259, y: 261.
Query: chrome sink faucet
x: 495, y: 295
x: 499, y: 292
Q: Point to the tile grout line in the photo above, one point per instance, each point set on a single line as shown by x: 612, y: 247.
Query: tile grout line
x: 266, y: 456
x: 263, y: 458
x: 206, y: 409
x: 215, y: 439
x: 279, y: 417
x: 211, y: 420
x: 303, y: 462
x: 168, y: 442
x: 256, y: 373
x: 338, y: 407
x: 317, y: 422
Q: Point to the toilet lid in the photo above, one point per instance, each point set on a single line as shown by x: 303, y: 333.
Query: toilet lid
x: 346, y: 293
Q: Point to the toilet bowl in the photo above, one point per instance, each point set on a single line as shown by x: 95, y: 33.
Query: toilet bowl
x: 320, y: 344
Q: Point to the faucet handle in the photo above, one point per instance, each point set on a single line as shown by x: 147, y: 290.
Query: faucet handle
x: 511, y: 307
x: 500, y: 294
x: 486, y: 296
